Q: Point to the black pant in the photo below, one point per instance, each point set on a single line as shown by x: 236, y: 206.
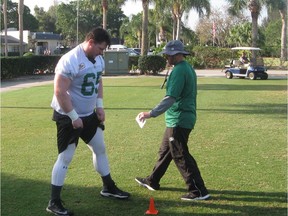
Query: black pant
x: 174, y: 146
x: 66, y: 134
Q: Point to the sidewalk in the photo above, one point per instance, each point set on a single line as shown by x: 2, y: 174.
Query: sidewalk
x: 38, y: 80
x: 26, y: 82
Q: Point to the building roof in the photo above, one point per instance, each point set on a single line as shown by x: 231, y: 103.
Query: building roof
x: 46, y: 36
x: 10, y: 40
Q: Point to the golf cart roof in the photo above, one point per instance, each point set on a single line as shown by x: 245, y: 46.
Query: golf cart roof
x: 245, y: 48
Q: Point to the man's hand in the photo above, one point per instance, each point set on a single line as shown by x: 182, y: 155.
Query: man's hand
x: 78, y: 123
x: 144, y: 115
x: 100, y: 114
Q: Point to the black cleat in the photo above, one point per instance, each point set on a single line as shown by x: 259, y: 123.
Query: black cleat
x: 56, y: 207
x: 195, y: 195
x: 113, y: 191
x: 145, y: 183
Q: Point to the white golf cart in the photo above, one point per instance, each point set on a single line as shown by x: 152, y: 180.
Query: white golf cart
x: 252, y: 70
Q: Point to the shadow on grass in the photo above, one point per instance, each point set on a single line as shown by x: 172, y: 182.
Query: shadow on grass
x: 43, y: 108
x: 241, y: 87
x: 261, y: 108
x: 24, y: 197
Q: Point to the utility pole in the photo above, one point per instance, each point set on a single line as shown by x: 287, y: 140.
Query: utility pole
x: 5, y: 26
x: 77, y: 40
x: 20, y: 14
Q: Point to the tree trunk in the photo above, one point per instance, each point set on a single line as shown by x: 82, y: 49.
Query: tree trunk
x: 254, y: 29
x: 254, y: 35
x: 162, y: 35
x: 139, y: 37
x: 174, y: 26
x: 5, y: 26
x: 157, y: 36
x: 105, y: 9
x: 254, y: 8
x: 283, y: 36
x: 20, y: 13
x: 144, y: 47
x: 178, y: 27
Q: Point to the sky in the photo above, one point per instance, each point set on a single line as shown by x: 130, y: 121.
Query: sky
x: 130, y: 7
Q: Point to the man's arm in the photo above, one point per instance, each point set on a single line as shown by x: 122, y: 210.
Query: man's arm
x: 164, y: 105
x: 61, y: 86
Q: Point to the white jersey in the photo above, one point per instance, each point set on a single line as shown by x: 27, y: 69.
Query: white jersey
x: 85, y: 77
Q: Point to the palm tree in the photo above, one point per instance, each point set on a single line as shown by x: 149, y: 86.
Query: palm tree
x: 281, y: 5
x: 182, y: 6
x: 20, y: 13
x: 105, y: 6
x: 255, y: 7
x: 5, y: 26
x: 283, y: 13
x: 144, y: 42
x: 105, y: 9
x: 162, y: 20
x: 132, y: 30
x: 240, y: 35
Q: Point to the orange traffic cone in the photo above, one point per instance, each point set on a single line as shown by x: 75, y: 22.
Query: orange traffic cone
x: 151, y: 210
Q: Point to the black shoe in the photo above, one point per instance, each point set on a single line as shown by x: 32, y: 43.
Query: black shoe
x: 113, y: 191
x: 145, y: 183
x: 56, y: 207
x: 195, y: 195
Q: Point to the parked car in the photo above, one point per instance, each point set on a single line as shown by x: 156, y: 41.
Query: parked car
x: 117, y: 47
x: 252, y: 70
x: 132, y: 52
x: 138, y: 50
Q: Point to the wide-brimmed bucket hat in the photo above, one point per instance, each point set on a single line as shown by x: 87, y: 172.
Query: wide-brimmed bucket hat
x: 174, y: 47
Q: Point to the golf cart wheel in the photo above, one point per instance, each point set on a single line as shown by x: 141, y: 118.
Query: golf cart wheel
x: 229, y: 75
x: 252, y: 76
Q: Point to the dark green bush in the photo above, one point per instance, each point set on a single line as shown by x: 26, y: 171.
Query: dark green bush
x: 133, y: 61
x: 151, y: 63
x: 29, y: 54
x: 12, y: 67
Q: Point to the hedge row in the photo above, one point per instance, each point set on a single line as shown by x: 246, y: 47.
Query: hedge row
x: 201, y: 57
x: 12, y: 67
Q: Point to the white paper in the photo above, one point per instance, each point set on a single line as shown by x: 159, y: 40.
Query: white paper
x: 140, y: 123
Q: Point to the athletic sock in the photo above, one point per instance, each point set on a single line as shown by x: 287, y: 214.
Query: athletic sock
x: 107, y: 180
x: 55, y: 192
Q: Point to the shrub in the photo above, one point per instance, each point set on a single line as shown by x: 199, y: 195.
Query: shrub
x: 151, y: 63
x: 27, y: 65
x: 208, y: 57
x: 133, y: 61
x: 29, y: 54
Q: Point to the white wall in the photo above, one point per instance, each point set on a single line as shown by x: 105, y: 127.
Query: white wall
x: 15, y: 34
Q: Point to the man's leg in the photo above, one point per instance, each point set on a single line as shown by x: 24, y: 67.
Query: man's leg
x: 57, y: 180
x: 152, y: 182
x: 101, y: 165
x: 164, y: 160
x: 185, y: 162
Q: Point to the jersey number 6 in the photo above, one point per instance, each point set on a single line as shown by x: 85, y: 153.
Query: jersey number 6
x: 89, y: 86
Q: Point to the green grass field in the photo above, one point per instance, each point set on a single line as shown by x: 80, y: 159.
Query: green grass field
x: 239, y: 142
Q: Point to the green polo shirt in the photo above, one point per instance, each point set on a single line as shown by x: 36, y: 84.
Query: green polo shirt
x: 182, y: 85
